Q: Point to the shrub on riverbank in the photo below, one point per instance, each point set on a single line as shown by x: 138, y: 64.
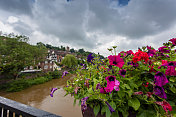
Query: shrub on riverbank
x: 18, y: 85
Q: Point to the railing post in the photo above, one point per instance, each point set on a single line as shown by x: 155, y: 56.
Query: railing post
x: 0, y: 111
x: 5, y: 113
x: 10, y: 114
x: 20, y: 110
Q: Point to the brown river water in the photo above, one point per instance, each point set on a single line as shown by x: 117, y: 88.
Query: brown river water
x: 38, y: 96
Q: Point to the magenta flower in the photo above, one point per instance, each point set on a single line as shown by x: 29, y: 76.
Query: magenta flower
x: 52, y: 91
x: 173, y: 40
x: 83, y: 103
x: 149, y: 47
x: 122, y: 72
x: 122, y: 54
x: 160, y: 79
x: 116, y: 61
x: 112, y: 83
x: 164, y: 49
x: 170, y: 71
x: 166, y: 106
x: 110, y: 108
x: 151, y: 52
x: 129, y: 52
x: 159, y: 91
x: 64, y: 73
x: 102, y: 90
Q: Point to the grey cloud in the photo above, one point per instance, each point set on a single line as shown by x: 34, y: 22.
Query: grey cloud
x: 64, y: 20
x: 136, y: 20
x: 17, y: 6
x: 23, y: 28
x: 70, y: 22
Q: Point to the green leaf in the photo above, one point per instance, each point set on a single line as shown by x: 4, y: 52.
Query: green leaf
x: 173, y: 89
x: 121, y: 93
x: 172, y: 79
x: 103, y: 110
x: 134, y: 103
x: 96, y: 109
x: 130, y: 92
x: 127, y: 86
x: 125, y: 114
x: 113, y: 105
x: 108, y: 113
x: 74, y: 102
x: 146, y: 113
x: 115, y: 114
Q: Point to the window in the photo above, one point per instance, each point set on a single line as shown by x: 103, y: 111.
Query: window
x: 46, y: 67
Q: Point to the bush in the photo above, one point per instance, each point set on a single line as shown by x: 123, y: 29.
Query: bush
x: 17, y: 85
x: 55, y: 74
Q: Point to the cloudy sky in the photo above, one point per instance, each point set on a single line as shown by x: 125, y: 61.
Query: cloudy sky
x: 94, y: 25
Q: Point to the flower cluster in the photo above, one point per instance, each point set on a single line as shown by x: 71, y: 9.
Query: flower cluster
x: 142, y: 82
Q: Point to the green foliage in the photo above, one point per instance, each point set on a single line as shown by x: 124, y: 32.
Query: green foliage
x: 20, y: 84
x: 16, y: 54
x: 72, y: 50
x: 103, y: 82
x: 96, y: 109
x: 55, y: 74
x: 134, y: 102
x: 69, y: 61
x: 81, y: 50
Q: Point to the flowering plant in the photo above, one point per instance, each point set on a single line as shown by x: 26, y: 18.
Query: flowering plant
x: 143, y: 82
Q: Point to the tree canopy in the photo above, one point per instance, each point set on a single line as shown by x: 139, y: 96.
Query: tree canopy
x: 69, y: 61
x: 16, y: 54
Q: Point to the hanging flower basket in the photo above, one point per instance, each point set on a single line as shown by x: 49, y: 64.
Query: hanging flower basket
x: 141, y: 83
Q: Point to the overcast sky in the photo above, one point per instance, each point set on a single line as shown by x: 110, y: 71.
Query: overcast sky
x: 94, y: 25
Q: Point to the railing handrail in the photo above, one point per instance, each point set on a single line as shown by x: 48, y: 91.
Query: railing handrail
x: 22, y: 109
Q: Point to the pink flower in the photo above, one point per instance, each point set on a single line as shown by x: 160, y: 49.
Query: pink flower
x: 112, y: 84
x: 129, y: 52
x: 122, y: 72
x: 102, y: 90
x: 149, y: 94
x: 166, y: 106
x: 164, y: 61
x: 76, y: 90
x: 122, y: 54
x: 170, y: 71
x: 116, y: 61
x: 138, y: 93
x: 173, y: 40
x: 164, y: 49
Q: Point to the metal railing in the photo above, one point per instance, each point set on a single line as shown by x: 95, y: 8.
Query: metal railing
x: 10, y: 108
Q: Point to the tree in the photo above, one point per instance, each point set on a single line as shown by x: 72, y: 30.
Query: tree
x: 62, y: 48
x: 72, y: 50
x: 16, y: 54
x: 69, y: 61
x: 81, y: 50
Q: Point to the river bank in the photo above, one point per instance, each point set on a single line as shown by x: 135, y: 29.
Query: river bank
x: 11, y: 85
x: 38, y: 96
